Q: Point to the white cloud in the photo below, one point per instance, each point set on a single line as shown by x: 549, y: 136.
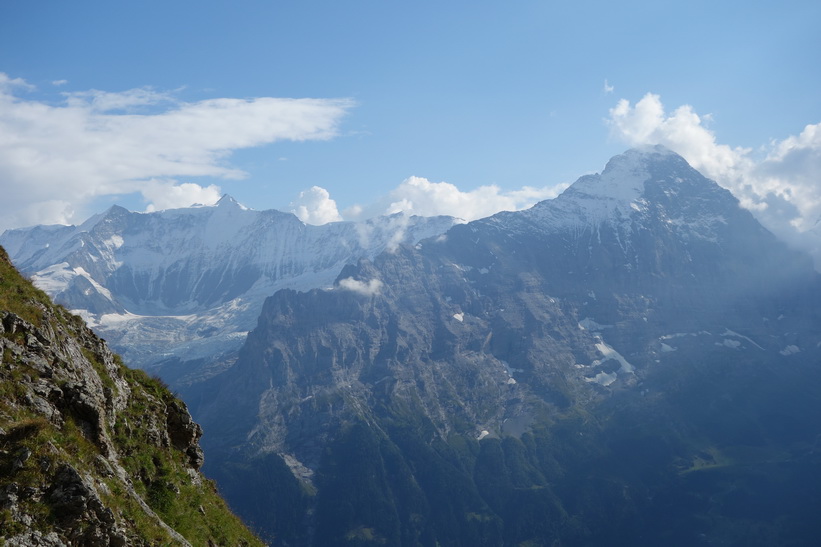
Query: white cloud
x: 419, y: 196
x: 607, y: 87
x: 315, y: 206
x: 104, y: 101
x: 170, y: 195
x: 779, y: 184
x: 370, y: 288
x: 49, y: 211
x: 790, y: 176
x: 682, y: 131
x: 7, y: 84
x: 57, y: 158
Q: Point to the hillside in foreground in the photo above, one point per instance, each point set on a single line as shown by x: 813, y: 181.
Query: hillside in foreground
x: 91, y: 451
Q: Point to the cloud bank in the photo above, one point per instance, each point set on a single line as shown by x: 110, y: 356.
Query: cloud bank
x: 419, y: 196
x: 780, y: 183
x: 56, y: 158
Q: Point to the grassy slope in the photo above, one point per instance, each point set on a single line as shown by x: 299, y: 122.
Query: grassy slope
x: 162, y: 477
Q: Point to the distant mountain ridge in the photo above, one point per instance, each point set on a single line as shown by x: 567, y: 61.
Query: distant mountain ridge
x: 187, y: 284
x: 592, y: 371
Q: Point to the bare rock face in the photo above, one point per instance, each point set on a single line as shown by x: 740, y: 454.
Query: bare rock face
x: 184, y: 433
x: 74, y: 498
x: 91, y: 452
x: 36, y: 539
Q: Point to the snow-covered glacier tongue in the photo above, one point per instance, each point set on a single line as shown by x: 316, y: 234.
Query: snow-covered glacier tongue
x: 182, y: 287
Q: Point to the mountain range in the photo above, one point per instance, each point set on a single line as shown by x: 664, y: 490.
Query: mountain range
x: 176, y: 291
x: 632, y: 363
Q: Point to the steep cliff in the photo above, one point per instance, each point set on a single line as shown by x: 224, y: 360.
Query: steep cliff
x: 92, y: 452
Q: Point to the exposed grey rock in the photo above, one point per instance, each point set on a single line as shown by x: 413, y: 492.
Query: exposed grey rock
x: 36, y: 538
x: 69, y: 494
x: 185, y: 433
x: 20, y: 459
x: 8, y: 495
x: 11, y: 322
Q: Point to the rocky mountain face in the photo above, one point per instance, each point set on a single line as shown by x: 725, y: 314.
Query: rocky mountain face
x: 632, y: 363
x: 177, y: 291
x: 91, y: 452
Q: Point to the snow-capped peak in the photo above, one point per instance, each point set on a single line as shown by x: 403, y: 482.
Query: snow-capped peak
x: 624, y: 175
x: 621, y: 194
x: 228, y: 201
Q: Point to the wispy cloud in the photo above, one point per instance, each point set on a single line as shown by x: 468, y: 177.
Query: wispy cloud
x: 103, y: 101
x: 778, y: 183
x: 54, y: 159
x: 607, y: 87
x: 7, y: 83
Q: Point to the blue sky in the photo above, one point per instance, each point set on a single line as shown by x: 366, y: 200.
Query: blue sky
x: 523, y: 95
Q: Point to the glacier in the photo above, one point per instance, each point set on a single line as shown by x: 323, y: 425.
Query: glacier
x: 186, y: 285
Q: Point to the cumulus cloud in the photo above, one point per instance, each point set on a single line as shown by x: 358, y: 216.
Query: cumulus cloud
x: 682, y: 131
x: 792, y: 172
x: 369, y: 288
x: 419, y: 196
x: 315, y: 206
x: 779, y: 183
x: 56, y: 157
x: 170, y: 195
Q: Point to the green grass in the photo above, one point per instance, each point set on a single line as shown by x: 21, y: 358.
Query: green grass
x: 195, y: 510
x: 19, y: 297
